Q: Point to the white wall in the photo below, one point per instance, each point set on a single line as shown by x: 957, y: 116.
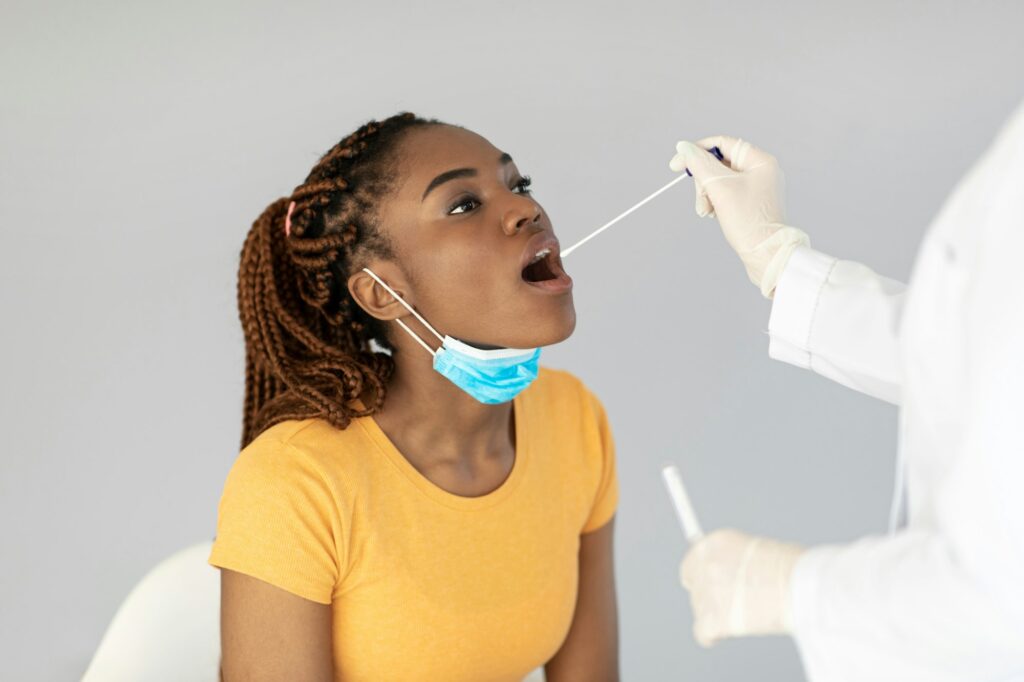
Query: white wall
x: 139, y: 141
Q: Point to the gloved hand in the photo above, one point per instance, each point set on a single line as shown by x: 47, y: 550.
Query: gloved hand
x: 747, y: 197
x: 739, y: 585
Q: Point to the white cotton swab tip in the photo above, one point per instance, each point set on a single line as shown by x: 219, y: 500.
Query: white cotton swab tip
x: 681, y: 502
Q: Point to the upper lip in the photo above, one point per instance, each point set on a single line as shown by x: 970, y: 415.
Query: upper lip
x: 537, y: 243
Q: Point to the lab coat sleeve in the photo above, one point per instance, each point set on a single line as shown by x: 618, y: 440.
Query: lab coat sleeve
x: 839, y: 319
x: 944, y: 601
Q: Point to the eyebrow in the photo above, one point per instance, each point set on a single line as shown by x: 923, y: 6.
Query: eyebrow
x: 459, y: 173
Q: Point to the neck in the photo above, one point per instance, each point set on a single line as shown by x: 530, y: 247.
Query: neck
x: 434, y: 421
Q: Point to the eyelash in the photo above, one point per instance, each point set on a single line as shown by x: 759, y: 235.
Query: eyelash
x: 521, y: 187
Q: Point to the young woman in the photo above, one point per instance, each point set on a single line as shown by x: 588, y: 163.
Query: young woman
x: 414, y: 499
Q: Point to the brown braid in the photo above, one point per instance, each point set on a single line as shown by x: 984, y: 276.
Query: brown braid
x: 307, y: 343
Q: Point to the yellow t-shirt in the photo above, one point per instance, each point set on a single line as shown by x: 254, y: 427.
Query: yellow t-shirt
x: 424, y: 584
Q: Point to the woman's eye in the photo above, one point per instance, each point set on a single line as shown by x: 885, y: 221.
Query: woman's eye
x: 464, y: 206
x: 523, y: 186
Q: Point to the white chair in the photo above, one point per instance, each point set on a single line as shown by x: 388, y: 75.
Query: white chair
x: 168, y: 629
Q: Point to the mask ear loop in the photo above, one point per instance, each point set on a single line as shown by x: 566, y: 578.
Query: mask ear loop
x: 408, y: 307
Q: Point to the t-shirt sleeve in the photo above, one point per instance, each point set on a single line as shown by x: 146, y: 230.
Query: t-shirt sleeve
x: 606, y: 498
x: 279, y: 521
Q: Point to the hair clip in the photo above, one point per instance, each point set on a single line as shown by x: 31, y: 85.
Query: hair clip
x: 288, y: 220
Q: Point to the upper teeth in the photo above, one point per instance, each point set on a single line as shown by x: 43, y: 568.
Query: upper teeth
x: 540, y: 254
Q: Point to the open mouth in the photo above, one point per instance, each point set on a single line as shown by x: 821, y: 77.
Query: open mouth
x: 543, y: 268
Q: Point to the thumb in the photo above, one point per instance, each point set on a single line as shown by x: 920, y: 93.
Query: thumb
x: 700, y: 162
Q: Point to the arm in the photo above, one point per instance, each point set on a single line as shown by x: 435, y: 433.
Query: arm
x: 590, y: 652
x: 939, y: 602
x: 270, y: 634
x: 935, y: 603
x: 279, y: 546
x: 835, y: 317
x: 841, y: 320
x: 946, y: 601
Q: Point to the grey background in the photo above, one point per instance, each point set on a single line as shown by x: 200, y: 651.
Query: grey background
x: 139, y: 141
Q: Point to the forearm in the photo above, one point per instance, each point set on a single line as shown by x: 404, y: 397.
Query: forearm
x: 841, y: 320
x: 904, y: 604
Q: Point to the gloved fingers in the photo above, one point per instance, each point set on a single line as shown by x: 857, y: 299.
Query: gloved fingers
x: 703, y: 607
x: 704, y: 207
x: 685, y: 574
x: 691, y: 566
x: 678, y: 163
x: 706, y: 632
x: 739, y: 154
x: 702, y: 204
x: 705, y: 169
x: 702, y: 165
x: 724, y: 538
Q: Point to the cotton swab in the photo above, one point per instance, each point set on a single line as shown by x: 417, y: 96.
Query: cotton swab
x: 565, y: 252
x: 681, y: 502
x: 619, y: 217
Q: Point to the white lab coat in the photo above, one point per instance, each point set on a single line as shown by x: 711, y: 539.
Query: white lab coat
x: 941, y: 598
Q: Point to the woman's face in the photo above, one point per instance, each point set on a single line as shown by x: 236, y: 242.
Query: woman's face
x: 467, y: 235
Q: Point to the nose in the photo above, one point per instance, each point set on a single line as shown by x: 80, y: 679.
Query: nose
x: 523, y: 213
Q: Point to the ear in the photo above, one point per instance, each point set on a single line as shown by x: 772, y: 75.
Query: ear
x: 375, y: 299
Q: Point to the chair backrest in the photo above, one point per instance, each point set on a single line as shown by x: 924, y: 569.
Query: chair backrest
x: 168, y: 628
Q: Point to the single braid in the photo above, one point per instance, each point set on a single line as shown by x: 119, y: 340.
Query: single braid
x: 308, y: 344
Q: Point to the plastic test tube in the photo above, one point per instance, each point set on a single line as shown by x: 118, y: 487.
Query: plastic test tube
x: 681, y: 502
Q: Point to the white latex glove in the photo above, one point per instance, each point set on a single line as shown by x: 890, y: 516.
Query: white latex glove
x: 746, y: 193
x: 739, y: 585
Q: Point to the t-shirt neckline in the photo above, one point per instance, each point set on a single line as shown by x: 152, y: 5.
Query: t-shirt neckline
x: 439, y: 494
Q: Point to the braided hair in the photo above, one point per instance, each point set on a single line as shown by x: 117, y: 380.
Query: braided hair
x: 308, y: 350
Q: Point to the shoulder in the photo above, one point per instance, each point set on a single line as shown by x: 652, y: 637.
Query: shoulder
x: 559, y: 382
x: 314, y: 442
x: 574, y: 426
x: 564, y: 403
x: 306, y: 453
x: 280, y: 447
x: 563, y: 389
x: 281, y: 517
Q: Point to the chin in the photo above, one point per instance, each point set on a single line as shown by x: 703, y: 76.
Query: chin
x: 531, y: 328
x: 552, y: 331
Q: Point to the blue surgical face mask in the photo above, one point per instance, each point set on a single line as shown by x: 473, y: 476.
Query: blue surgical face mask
x: 490, y: 376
